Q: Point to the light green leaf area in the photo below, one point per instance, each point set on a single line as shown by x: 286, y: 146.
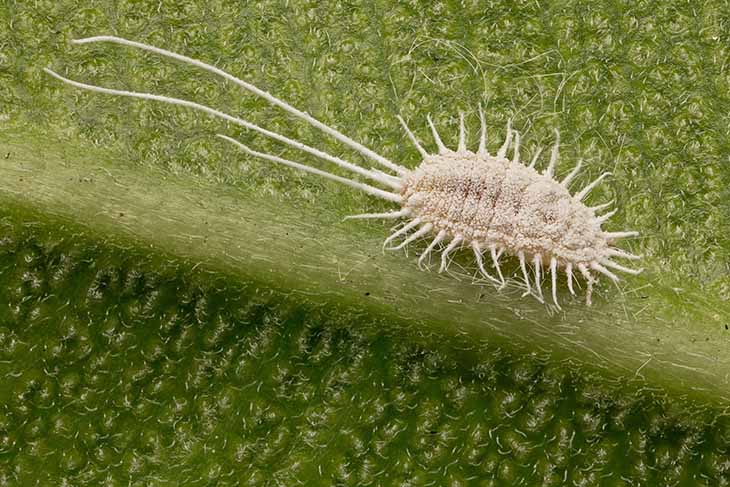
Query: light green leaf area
x: 174, y: 312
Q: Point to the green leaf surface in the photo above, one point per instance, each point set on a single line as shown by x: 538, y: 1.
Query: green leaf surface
x: 120, y: 215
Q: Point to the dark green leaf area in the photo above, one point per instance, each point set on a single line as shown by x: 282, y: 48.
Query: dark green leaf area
x: 122, y: 368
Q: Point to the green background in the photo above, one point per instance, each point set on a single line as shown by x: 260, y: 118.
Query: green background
x: 173, y: 312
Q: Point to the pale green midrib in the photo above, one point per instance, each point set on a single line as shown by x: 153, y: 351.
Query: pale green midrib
x: 315, y: 253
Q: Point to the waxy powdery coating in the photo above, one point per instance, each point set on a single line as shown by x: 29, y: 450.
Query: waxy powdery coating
x: 461, y: 198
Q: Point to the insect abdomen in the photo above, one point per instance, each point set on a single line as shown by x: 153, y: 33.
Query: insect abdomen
x: 502, y: 203
x: 456, y: 195
x: 508, y: 212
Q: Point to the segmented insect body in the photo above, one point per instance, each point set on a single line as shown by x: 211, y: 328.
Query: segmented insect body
x: 488, y: 203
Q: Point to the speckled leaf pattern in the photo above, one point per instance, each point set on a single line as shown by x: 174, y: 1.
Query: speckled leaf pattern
x: 174, y: 312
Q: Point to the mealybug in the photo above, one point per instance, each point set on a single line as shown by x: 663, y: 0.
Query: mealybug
x: 486, y: 202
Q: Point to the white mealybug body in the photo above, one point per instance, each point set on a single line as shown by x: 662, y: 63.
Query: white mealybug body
x: 488, y: 203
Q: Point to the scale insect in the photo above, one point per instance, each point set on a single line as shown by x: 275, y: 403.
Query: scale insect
x: 488, y: 203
